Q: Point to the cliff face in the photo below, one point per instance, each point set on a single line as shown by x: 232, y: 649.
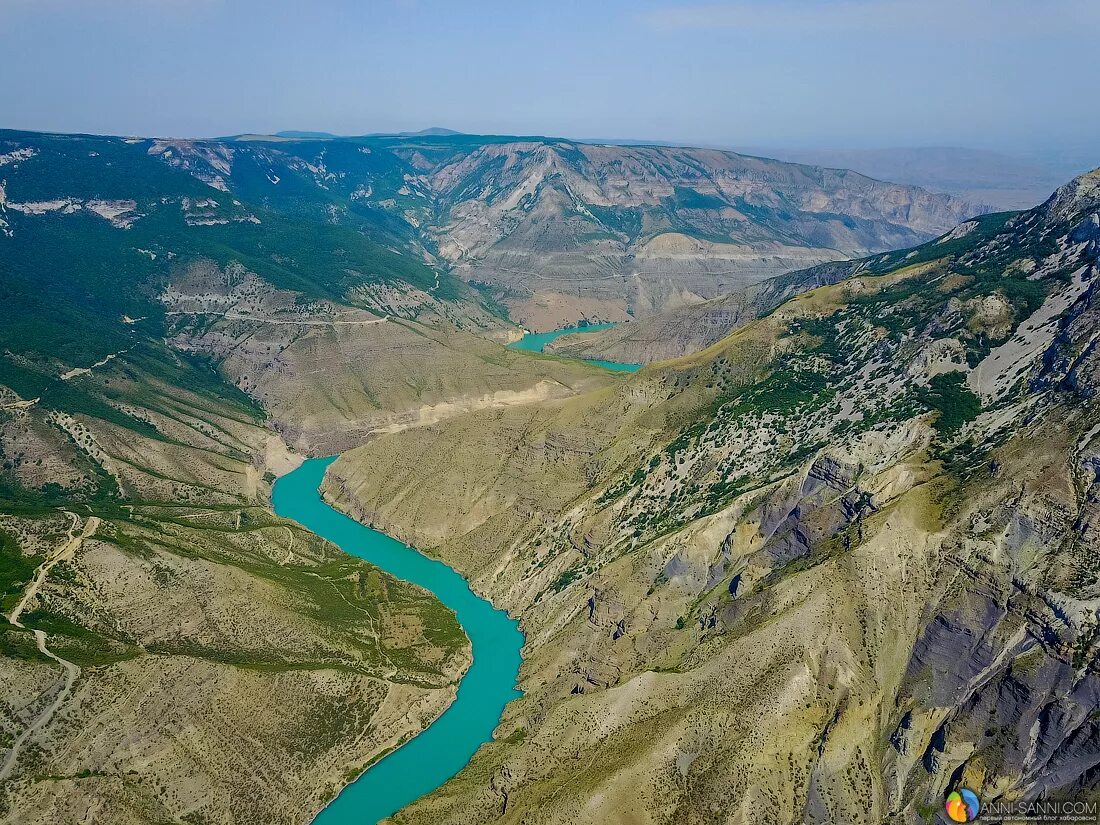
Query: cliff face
x: 837, y: 562
x: 330, y: 376
x: 559, y: 231
x: 612, y: 231
x: 682, y: 331
x: 695, y: 327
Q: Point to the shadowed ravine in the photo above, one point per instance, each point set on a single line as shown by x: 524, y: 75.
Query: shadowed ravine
x: 427, y: 761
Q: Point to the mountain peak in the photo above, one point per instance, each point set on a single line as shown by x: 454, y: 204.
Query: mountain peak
x: 1076, y: 199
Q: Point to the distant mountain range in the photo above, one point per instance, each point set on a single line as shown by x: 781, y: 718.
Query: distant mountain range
x: 1002, y: 181
x: 561, y: 231
x: 541, y: 231
x: 437, y: 131
x: 995, y: 179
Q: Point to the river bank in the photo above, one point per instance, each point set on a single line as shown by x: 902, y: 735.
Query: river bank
x: 537, y: 342
x: 439, y: 752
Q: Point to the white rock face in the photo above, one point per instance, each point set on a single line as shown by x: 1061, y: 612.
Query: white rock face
x: 5, y: 227
x: 16, y: 156
x: 120, y: 214
x: 64, y: 205
x: 960, y: 231
x: 1005, y: 365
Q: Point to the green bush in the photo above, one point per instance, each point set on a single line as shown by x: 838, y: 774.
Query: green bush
x: 948, y: 395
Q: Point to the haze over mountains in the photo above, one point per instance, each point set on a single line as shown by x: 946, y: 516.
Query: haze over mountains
x: 1002, y: 181
x: 552, y: 230
x: 835, y: 556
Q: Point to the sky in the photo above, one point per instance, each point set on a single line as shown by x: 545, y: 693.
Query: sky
x: 1012, y: 75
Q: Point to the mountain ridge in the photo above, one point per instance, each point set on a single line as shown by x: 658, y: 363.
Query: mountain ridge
x: 620, y: 231
x: 695, y: 327
x: 566, y: 231
x: 842, y: 557
x: 174, y: 317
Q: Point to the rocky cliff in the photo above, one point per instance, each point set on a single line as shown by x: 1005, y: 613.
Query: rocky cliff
x: 567, y: 231
x: 684, y: 330
x: 692, y: 328
x: 824, y: 570
x: 330, y: 376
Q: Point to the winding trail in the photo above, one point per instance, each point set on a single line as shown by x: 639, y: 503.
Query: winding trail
x: 66, y: 552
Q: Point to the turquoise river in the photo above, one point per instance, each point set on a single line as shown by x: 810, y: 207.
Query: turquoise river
x: 428, y: 760
x: 537, y: 341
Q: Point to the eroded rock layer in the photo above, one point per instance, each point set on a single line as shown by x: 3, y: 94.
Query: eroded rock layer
x: 821, y: 571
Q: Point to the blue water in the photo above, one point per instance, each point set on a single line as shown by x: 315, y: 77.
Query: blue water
x: 427, y: 761
x: 537, y: 341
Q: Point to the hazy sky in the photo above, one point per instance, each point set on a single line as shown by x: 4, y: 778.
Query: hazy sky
x: 1010, y: 74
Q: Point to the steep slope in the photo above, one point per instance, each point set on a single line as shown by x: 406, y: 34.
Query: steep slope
x: 567, y: 230
x: 824, y: 570
x: 330, y: 376
x: 170, y: 650
x: 91, y: 229
x: 300, y: 281
x: 689, y: 329
x: 684, y: 330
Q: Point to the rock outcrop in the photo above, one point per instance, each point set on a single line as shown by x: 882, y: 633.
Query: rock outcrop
x: 567, y: 231
x: 808, y: 571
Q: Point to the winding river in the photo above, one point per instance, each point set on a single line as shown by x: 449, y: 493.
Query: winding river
x: 428, y: 760
x: 537, y: 341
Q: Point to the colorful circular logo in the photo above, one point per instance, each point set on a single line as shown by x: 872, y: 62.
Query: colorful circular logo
x: 963, y: 805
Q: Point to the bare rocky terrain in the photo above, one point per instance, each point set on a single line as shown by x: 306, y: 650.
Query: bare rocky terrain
x: 331, y: 377
x: 834, y: 556
x: 824, y: 569
x: 566, y: 231
x: 691, y: 328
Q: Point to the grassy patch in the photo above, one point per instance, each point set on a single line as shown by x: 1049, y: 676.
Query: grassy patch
x: 80, y: 645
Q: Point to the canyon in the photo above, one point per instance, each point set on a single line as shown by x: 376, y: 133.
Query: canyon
x: 829, y: 550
